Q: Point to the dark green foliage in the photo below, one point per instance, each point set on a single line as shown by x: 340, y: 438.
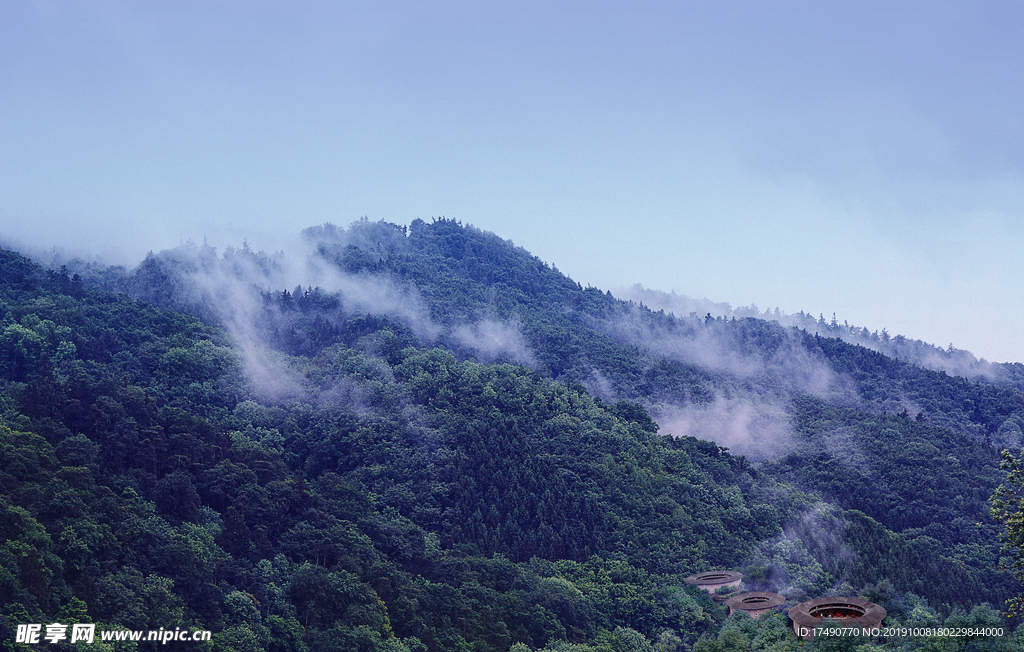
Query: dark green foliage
x: 400, y: 494
x: 144, y: 488
x: 1008, y: 509
x: 903, y: 476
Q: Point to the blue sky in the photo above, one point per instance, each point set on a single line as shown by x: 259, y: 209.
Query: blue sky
x: 863, y: 158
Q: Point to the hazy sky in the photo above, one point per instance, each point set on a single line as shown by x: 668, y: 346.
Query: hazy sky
x: 863, y: 158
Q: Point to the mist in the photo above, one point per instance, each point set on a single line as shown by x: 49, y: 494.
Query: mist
x: 953, y: 361
x: 492, y: 340
x: 757, y: 430
x: 260, y: 297
x: 755, y: 369
x: 316, y: 285
x: 745, y: 351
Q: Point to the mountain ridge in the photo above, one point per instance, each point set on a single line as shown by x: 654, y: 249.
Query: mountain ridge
x: 445, y: 401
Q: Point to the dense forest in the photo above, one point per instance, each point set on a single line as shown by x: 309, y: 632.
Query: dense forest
x: 950, y: 359
x: 424, y: 438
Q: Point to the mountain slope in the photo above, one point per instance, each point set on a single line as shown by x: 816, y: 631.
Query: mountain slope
x: 353, y: 430
x: 138, y: 470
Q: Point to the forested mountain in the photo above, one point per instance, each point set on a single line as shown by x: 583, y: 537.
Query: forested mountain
x: 954, y: 361
x: 424, y: 438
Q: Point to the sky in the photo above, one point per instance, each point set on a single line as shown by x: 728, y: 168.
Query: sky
x: 858, y: 158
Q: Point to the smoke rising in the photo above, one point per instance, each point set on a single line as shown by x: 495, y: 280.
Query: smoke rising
x: 809, y: 557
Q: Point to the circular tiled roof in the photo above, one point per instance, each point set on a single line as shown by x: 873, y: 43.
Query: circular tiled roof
x: 714, y: 577
x: 755, y: 601
x: 852, y: 612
